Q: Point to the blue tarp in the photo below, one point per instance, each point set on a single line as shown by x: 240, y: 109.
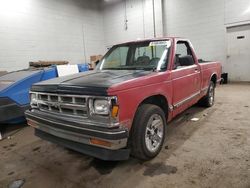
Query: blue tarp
x: 15, y: 86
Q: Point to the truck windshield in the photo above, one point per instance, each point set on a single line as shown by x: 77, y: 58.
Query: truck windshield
x: 136, y: 56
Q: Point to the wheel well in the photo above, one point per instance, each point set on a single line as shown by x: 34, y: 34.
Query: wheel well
x: 158, y: 100
x: 214, y: 79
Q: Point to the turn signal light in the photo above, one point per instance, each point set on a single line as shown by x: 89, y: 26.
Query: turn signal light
x: 32, y: 123
x: 100, y: 142
x: 115, y: 111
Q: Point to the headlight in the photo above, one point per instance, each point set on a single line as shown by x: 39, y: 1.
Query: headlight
x: 33, y: 99
x: 101, y: 106
x: 104, y: 107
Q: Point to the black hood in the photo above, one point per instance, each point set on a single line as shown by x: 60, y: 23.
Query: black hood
x: 92, y: 82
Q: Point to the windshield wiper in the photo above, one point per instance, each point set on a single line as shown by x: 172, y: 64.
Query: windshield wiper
x: 125, y: 68
x: 131, y: 68
x: 116, y: 68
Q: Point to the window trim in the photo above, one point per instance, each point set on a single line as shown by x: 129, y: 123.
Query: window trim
x: 189, y: 50
x: 167, y: 60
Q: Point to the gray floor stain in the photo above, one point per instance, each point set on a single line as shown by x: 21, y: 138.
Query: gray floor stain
x: 158, y: 169
x: 36, y: 149
x: 103, y: 167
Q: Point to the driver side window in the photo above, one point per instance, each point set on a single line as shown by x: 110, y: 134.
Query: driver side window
x: 183, y: 55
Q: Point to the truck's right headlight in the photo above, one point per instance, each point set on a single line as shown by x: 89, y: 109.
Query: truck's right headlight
x: 104, y: 107
x: 33, y: 99
x: 101, y: 106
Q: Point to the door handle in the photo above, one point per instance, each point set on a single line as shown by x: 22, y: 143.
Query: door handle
x: 196, y: 70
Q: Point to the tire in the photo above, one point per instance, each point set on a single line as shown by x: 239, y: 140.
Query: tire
x: 146, y: 139
x: 208, y: 100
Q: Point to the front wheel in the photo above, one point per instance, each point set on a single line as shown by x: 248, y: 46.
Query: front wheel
x: 148, y: 132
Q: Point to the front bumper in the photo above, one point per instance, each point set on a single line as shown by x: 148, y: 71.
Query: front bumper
x: 77, y: 136
x: 9, y: 110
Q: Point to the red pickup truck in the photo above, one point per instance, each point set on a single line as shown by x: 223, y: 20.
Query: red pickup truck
x: 122, y: 107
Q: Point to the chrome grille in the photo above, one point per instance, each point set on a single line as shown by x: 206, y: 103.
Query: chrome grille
x: 72, y: 105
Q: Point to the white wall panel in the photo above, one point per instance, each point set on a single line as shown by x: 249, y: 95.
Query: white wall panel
x: 205, y: 23
x: 32, y: 30
x: 237, y: 11
x: 140, y: 20
x: 200, y: 21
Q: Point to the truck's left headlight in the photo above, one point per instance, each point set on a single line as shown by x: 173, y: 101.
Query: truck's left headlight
x: 101, y: 106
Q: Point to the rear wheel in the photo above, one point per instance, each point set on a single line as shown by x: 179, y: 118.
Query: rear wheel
x: 148, y: 132
x: 208, y: 100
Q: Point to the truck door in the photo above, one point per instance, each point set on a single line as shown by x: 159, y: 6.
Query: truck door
x: 185, y: 77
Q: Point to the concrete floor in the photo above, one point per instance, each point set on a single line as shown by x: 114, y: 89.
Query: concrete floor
x: 212, y: 152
